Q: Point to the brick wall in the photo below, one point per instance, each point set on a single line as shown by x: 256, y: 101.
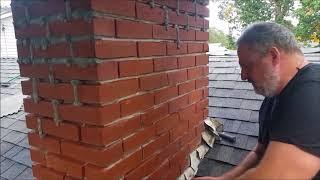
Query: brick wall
x: 116, y: 88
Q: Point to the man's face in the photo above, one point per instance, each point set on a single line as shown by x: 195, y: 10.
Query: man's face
x: 259, y: 71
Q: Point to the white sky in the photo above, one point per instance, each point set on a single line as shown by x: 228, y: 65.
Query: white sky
x: 214, y: 20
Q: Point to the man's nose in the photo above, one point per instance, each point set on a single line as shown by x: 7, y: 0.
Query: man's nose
x: 244, y: 75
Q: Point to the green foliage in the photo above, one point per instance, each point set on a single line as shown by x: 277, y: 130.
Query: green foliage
x: 253, y: 10
x: 308, y: 27
x: 231, y: 42
x: 240, y: 13
x: 217, y: 36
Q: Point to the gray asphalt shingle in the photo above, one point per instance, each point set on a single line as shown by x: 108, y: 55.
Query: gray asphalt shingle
x: 15, y: 170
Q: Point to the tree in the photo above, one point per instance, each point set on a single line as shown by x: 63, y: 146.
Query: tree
x: 308, y: 27
x: 217, y: 36
x: 245, y: 12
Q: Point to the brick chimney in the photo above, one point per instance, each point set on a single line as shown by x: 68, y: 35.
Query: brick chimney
x: 117, y: 88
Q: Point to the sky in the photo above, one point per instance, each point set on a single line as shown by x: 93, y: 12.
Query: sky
x: 214, y: 20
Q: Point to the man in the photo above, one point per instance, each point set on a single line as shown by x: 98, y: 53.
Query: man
x: 289, y: 135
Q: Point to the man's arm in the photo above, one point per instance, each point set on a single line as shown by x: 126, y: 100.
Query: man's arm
x: 284, y: 161
x: 250, y: 161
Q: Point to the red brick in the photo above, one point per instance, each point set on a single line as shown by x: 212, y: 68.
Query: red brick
x: 199, y: 22
x: 187, y: 87
x: 55, y: 91
x: 202, y: 36
x: 70, y: 178
x: 154, y: 81
x: 160, y: 32
x: 18, y: 11
x: 154, y: 114
x: 144, y: 169
x: 59, y: 50
x: 152, y: 49
x: 205, y: 92
x: 34, y: 70
x: 139, y: 138
x: 165, y: 94
x: 177, y: 76
x: 187, y: 35
x: 145, y: 12
x: 50, y: 174
x: 205, y: 47
x: 187, y: 6
x: 179, y: 103
x: 83, y: 48
x: 172, y: 48
x: 180, y: 159
x: 41, y: 8
x: 36, y: 170
x: 195, y: 47
x: 96, y: 115
x: 206, y: 24
x: 186, y: 61
x: 74, y: 27
x: 136, y: 104
x: 205, y: 113
x: 155, y: 145
x: 64, y: 130
x: 178, y: 131
x: 188, y: 113
x: 104, y: 26
x: 65, y: 165
x: 46, y: 143
x: 192, y: 21
x: 38, y: 156
x: 120, y: 168
x: 202, y: 104
x: 194, y: 144
x: 202, y: 10
x: 202, y: 82
x: 23, y: 51
x: 195, y: 96
x: 104, y: 135
x: 31, y: 30
x: 160, y: 172
x: 98, y: 156
x: 194, y: 73
x: 80, y: 4
x: 103, y: 71
x: 42, y: 108
x: 123, y: 7
x: 188, y: 136
x: 108, y: 92
x: 131, y: 29
x: 177, y: 19
x: 200, y: 128
x: 196, y: 120
x: 165, y: 63
x: 115, y: 49
x: 205, y: 70
x: 202, y: 59
x: 167, y: 123
x: 133, y: 68
x: 31, y: 121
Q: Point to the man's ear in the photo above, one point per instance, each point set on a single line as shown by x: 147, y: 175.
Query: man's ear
x: 275, y: 55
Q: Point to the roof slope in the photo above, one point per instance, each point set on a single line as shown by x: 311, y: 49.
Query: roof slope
x: 15, y: 156
x: 234, y: 103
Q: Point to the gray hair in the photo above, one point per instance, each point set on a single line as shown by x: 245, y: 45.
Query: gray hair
x: 264, y: 35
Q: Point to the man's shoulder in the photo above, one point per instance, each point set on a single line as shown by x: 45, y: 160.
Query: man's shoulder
x: 311, y: 73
